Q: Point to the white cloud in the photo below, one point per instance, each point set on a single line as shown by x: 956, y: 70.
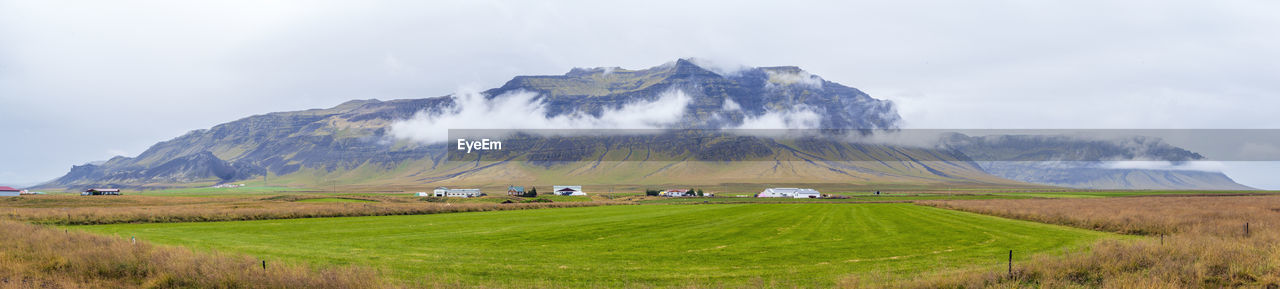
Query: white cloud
x: 798, y: 117
x: 794, y: 78
x: 720, y: 65
x: 730, y: 105
x: 526, y: 110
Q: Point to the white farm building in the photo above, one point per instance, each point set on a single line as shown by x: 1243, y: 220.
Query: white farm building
x: 789, y: 193
x: 456, y: 193
x: 568, y: 190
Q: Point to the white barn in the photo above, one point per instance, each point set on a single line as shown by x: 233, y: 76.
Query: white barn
x: 677, y: 193
x: 568, y: 190
x: 789, y: 193
x: 456, y: 193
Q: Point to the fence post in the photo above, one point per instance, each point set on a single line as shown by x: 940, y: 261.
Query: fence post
x: 1010, y: 264
x: 1246, y: 229
x: 264, y: 265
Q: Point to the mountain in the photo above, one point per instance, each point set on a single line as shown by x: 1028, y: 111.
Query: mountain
x: 717, y: 100
x: 354, y: 144
x: 1082, y: 162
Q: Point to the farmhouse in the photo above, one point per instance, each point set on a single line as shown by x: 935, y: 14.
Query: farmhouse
x: 9, y: 192
x: 456, y: 193
x: 517, y: 191
x: 100, y: 192
x: 789, y: 193
x: 568, y: 190
x: 677, y: 193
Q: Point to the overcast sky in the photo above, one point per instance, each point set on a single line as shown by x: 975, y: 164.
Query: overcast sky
x: 87, y: 80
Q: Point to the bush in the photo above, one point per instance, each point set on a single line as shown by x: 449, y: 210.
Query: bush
x: 434, y: 199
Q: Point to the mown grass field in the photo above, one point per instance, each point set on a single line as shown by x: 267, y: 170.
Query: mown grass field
x: 806, y: 245
x: 850, y: 199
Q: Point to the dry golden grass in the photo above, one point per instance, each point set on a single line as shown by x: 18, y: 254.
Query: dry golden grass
x: 75, y: 210
x: 1191, y: 242
x: 32, y: 256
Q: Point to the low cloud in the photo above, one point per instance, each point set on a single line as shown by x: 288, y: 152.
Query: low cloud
x: 793, y: 78
x: 730, y: 105
x: 722, y: 67
x: 1204, y: 166
x: 527, y: 110
x: 798, y: 117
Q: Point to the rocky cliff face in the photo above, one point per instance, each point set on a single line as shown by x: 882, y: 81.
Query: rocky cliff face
x: 717, y: 100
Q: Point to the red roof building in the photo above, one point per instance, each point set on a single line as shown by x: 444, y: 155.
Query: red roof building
x: 9, y: 192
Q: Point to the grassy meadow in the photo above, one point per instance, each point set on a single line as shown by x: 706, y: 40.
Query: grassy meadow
x: 734, y: 245
x: 903, y: 238
x: 1192, y: 241
x: 34, y: 256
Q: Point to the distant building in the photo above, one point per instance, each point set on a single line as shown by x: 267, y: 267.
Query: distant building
x: 517, y: 191
x: 789, y: 193
x: 9, y: 192
x: 100, y: 192
x: 568, y: 191
x: 423, y: 194
x: 677, y: 193
x: 456, y: 193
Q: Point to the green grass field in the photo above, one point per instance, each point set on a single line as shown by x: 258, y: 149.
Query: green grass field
x: 807, y: 245
x: 851, y: 199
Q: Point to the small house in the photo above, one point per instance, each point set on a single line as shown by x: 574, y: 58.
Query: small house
x: 456, y: 193
x: 517, y: 191
x: 797, y: 193
x: 100, y: 192
x: 568, y: 191
x: 9, y: 192
x: 677, y: 193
